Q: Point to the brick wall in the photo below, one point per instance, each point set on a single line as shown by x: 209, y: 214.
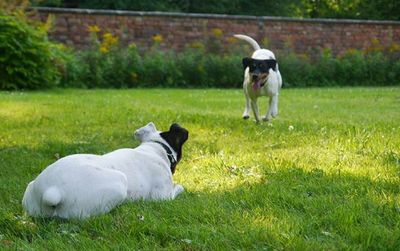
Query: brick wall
x: 179, y: 30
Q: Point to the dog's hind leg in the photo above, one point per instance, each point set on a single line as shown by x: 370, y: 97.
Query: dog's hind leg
x: 269, y: 111
x: 274, y: 106
x: 177, y: 190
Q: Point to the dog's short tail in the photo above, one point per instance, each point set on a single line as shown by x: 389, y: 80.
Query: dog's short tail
x: 41, y: 204
x: 248, y: 39
x: 51, y: 197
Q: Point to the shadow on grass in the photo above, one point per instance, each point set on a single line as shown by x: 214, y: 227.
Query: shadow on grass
x: 294, y: 209
x: 289, y: 208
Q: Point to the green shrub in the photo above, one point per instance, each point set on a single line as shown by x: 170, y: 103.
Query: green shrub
x: 295, y: 70
x: 106, y: 64
x: 72, y: 69
x: 160, y: 69
x: 27, y: 59
x: 223, y: 71
x: 191, y: 65
x: 354, y: 68
x: 323, y: 72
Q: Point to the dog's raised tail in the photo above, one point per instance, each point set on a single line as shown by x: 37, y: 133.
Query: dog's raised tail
x: 249, y: 40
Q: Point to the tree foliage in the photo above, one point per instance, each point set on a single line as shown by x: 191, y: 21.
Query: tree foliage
x: 354, y: 9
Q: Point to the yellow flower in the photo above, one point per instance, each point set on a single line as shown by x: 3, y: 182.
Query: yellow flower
x: 303, y: 57
x: 375, y: 41
x: 394, y: 47
x: 351, y: 51
x: 265, y: 42
x: 197, y: 45
x: 109, y: 39
x: 232, y: 40
x: 134, y: 76
x: 48, y: 24
x: 157, y: 38
x: 132, y: 46
x: 103, y: 49
x: 61, y: 47
x: 93, y: 29
x: 375, y: 46
x: 217, y: 32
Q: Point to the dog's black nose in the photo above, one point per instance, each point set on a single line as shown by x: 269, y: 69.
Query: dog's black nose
x: 255, y: 77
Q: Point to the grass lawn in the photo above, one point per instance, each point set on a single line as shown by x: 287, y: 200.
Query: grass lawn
x: 331, y: 181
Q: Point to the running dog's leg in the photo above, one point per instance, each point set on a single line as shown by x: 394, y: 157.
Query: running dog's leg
x: 247, y: 105
x: 274, y: 105
x: 272, y: 108
x: 269, y: 110
x: 254, y: 107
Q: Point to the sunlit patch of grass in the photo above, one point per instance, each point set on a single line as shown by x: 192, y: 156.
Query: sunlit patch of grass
x: 324, y: 175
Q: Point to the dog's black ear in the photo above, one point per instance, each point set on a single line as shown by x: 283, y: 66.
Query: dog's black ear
x: 271, y: 64
x: 246, y: 62
x: 176, y: 137
x: 179, y: 133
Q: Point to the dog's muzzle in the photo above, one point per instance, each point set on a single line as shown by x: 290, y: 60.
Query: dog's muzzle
x: 258, y: 80
x: 254, y: 77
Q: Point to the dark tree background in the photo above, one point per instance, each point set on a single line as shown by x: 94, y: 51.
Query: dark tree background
x: 354, y: 9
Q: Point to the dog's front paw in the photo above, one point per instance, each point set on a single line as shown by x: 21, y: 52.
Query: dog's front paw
x: 265, y: 118
x: 274, y: 113
x: 177, y: 190
x: 246, y: 117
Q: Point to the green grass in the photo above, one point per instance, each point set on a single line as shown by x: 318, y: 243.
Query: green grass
x: 333, y: 182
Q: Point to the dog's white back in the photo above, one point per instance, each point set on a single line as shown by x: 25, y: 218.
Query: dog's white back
x: 81, y: 185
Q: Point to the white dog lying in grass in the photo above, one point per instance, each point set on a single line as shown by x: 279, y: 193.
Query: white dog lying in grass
x: 81, y: 185
x: 261, y: 78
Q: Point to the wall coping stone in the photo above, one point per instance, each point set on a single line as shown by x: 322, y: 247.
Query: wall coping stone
x: 213, y: 16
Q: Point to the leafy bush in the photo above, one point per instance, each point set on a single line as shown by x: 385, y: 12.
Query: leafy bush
x: 191, y: 65
x: 27, y: 59
x: 160, y: 69
x: 354, y: 68
x: 73, y: 70
x: 295, y: 69
x: 105, y: 64
x: 223, y: 71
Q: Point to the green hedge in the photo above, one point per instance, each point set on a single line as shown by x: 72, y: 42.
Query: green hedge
x: 354, y: 68
x: 27, y: 59
x: 126, y: 68
x: 195, y: 68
